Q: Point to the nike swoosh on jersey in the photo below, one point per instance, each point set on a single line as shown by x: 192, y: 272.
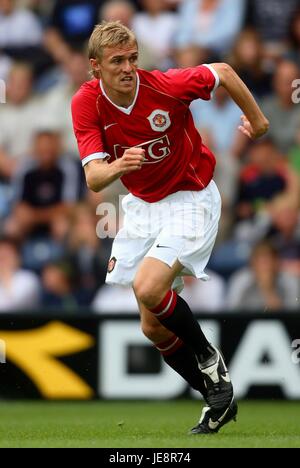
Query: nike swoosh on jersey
x: 162, y: 246
x: 106, y: 127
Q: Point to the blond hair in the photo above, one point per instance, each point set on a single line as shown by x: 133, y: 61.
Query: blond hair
x: 108, y: 34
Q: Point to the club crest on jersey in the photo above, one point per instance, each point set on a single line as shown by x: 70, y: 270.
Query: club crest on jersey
x: 111, y: 264
x: 159, y: 120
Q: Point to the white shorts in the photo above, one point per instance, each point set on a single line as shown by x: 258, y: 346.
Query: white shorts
x: 182, y: 226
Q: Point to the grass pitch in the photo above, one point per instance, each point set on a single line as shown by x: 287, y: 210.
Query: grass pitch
x: 138, y: 424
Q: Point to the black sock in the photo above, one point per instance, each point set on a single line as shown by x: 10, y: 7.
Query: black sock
x: 175, y: 315
x: 181, y: 358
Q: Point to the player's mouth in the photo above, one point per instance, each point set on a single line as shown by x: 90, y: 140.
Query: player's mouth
x: 127, y: 79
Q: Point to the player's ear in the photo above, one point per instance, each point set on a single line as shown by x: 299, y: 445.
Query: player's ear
x: 95, y: 66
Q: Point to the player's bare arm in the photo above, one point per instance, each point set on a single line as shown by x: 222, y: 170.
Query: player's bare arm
x: 99, y: 174
x: 254, y: 122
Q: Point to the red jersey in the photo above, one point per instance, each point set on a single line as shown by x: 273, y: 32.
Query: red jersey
x: 159, y: 121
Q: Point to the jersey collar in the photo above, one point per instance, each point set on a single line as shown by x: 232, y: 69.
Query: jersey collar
x: 125, y: 110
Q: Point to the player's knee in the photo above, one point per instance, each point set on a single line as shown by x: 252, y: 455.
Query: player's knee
x: 149, y: 296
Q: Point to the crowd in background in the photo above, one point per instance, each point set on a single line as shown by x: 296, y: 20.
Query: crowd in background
x: 50, y: 256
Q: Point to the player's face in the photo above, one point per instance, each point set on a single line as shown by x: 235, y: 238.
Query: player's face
x: 118, y: 70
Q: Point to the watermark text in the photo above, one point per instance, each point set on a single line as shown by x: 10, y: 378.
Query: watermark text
x: 296, y: 92
x: 296, y: 353
x: 147, y: 220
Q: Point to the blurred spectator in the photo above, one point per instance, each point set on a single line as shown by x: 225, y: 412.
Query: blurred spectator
x: 173, y: 3
x: 124, y: 11
x: 58, y: 288
x: 19, y: 289
x: 71, y: 22
x: 218, y: 121
x: 190, y: 56
x: 57, y: 101
x: 285, y: 233
x: 45, y: 188
x: 247, y: 60
x: 21, y: 114
x: 86, y: 253
x: 293, y: 53
x: 205, y: 296
x: 279, y: 108
x: 75, y: 19
x: 18, y: 27
x: 271, y: 20
x: 294, y: 154
x: 155, y: 28
x: 262, y: 286
x: 5, y: 66
x: 21, y: 35
x: 41, y: 8
x: 117, y: 10
x: 210, y: 24
x: 264, y: 177
x: 115, y: 299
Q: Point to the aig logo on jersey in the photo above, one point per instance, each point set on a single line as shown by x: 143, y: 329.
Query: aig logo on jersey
x: 159, y: 120
x: 155, y: 150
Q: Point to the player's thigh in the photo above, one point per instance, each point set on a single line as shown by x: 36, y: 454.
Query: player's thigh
x: 155, y: 277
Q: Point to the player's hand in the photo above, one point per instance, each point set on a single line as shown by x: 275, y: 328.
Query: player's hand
x: 253, y: 132
x: 132, y: 160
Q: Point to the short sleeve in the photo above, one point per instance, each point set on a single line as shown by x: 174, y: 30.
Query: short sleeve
x: 87, y: 127
x: 189, y: 84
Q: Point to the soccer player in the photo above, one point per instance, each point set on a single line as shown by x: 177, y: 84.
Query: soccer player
x: 136, y: 125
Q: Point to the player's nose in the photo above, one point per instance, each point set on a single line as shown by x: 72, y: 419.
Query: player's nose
x: 127, y: 66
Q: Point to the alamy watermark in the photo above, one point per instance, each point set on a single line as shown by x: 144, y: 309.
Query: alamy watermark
x: 296, y: 92
x: 296, y: 353
x: 2, y: 352
x: 2, y: 92
x: 174, y: 217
